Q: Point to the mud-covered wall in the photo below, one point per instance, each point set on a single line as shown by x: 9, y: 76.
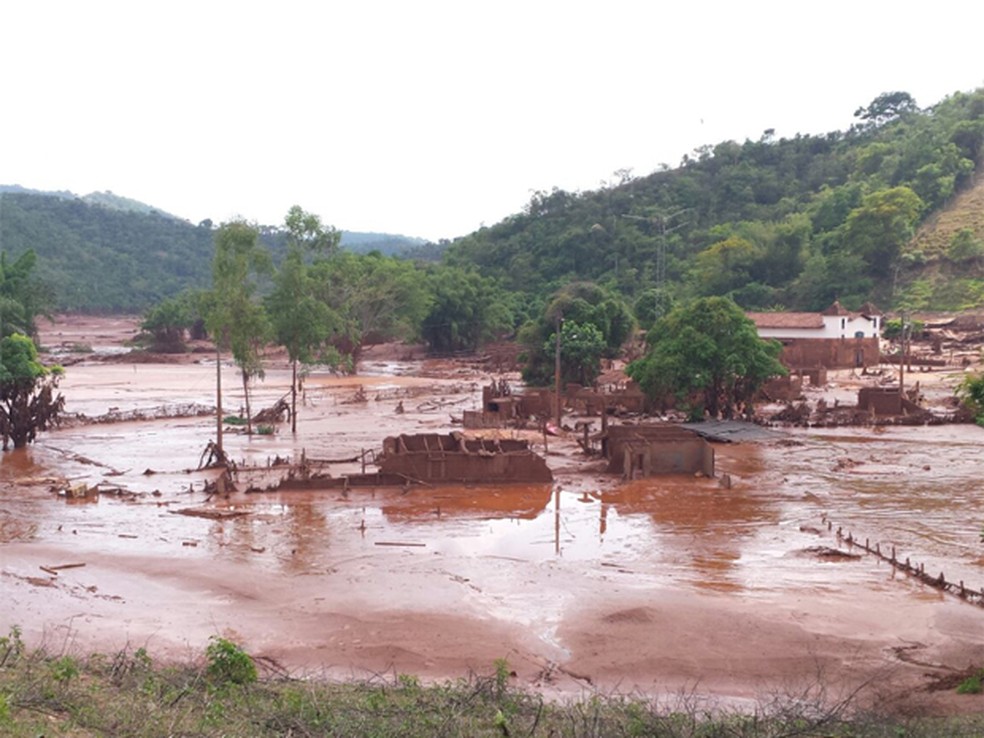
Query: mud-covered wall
x: 782, y: 389
x: 885, y: 401
x: 639, y: 450
x: 844, y: 353
x: 435, y: 458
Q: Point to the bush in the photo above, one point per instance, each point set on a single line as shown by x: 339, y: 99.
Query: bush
x: 228, y: 663
x: 971, y: 394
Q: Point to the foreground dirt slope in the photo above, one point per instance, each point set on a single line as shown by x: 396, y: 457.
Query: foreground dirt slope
x: 654, y: 586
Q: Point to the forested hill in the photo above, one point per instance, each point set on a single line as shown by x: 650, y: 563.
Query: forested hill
x: 100, y: 259
x: 106, y: 253
x: 793, y: 222
x: 887, y: 211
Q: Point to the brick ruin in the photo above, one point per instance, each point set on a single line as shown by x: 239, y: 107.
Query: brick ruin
x: 646, y: 450
x: 502, y: 408
x: 844, y: 353
x: 433, y: 457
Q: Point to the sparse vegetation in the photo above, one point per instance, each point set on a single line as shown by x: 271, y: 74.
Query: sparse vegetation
x: 971, y: 394
x: 973, y: 684
x: 228, y: 663
x: 128, y: 695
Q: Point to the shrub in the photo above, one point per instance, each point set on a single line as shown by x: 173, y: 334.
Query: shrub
x: 971, y: 394
x: 228, y: 663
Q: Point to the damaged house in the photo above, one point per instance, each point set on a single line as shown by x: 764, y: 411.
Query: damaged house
x: 835, y: 338
x: 646, y: 450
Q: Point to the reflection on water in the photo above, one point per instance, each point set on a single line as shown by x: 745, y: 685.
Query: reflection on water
x: 899, y: 488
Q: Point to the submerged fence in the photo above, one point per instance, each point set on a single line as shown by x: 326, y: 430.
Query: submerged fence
x: 917, y: 571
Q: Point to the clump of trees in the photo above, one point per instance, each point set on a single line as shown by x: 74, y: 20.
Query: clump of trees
x: 324, y: 305
x: 594, y: 323
x: 708, y: 358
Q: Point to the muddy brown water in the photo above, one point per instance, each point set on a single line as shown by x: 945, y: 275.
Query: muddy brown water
x: 652, y: 585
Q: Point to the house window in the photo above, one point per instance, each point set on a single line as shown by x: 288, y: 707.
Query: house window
x: 859, y: 334
x: 843, y: 323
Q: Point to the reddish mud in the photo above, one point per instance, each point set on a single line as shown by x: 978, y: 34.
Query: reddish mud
x: 656, y: 586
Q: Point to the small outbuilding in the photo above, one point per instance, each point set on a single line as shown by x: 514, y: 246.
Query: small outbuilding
x: 646, y: 450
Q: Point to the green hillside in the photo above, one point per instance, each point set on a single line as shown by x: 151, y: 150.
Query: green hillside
x: 107, y: 253
x: 888, y: 211
x: 100, y: 259
x: 795, y: 222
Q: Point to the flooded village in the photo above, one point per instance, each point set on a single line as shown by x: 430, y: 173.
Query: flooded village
x: 431, y: 516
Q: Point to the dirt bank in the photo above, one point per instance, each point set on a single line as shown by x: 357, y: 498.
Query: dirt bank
x: 655, y: 586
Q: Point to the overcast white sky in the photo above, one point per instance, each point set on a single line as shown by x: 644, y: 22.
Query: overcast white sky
x: 431, y: 118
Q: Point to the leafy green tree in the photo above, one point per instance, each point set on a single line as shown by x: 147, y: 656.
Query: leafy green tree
x: 877, y: 230
x: 579, y: 304
x: 581, y: 349
x: 28, y: 403
x: 887, y: 107
x: 306, y: 231
x: 233, y: 317
x: 249, y: 334
x: 167, y: 323
x: 651, y: 305
x: 378, y: 298
x: 839, y: 276
x: 23, y: 297
x: 466, y: 310
x: 726, y: 265
x: 708, y: 355
x: 301, y: 323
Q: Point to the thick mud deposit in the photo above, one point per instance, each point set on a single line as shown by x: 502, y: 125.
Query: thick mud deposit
x: 654, y: 586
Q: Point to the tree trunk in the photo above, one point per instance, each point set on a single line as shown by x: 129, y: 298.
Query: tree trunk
x: 218, y: 401
x: 293, y: 397
x: 249, y: 416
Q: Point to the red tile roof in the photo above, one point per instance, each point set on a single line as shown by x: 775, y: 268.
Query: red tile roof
x: 836, y: 309
x: 786, y: 320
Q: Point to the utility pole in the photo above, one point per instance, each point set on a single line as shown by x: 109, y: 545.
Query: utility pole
x: 218, y: 401
x: 902, y: 356
x: 560, y: 323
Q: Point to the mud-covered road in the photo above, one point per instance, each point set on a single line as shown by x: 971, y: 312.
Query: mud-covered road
x: 656, y: 586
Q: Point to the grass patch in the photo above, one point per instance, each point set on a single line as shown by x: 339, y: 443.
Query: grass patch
x: 973, y: 684
x: 127, y: 694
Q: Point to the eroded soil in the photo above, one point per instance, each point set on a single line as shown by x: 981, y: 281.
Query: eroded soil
x: 656, y: 586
